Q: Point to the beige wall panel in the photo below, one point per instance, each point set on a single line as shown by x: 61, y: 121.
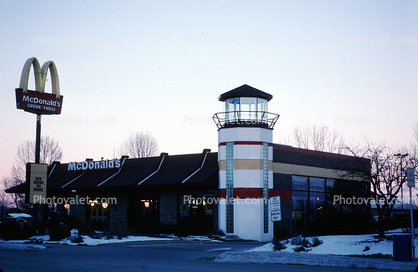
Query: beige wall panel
x: 303, y: 170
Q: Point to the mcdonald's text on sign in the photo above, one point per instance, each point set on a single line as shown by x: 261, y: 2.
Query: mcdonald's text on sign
x: 34, y: 102
x: 38, y: 101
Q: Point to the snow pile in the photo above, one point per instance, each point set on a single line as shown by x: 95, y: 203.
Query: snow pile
x: 341, y: 245
x: 19, y: 215
x: 13, y: 246
x: 75, y: 239
x: 333, y: 252
x: 367, y: 244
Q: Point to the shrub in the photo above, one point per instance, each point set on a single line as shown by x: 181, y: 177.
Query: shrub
x: 59, y: 232
x: 14, y: 231
x: 296, y: 240
x: 86, y: 229
x: 300, y: 241
x: 300, y: 249
x: 305, y: 243
x: 316, y: 241
x: 77, y: 239
x: 278, y: 244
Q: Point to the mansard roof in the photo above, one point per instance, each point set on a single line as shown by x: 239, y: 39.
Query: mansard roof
x: 187, y: 171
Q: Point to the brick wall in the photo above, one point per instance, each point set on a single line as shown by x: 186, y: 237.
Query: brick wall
x: 79, y: 212
x: 287, y: 215
x: 284, y: 182
x: 297, y: 156
x: 168, y: 208
x: 119, y: 215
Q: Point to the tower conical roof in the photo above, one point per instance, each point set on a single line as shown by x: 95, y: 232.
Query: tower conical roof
x: 245, y: 91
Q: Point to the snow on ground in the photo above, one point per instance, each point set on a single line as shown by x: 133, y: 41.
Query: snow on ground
x: 367, y: 244
x: 333, y: 252
x: 13, y: 246
x: 325, y: 254
x: 88, y: 241
x: 19, y: 215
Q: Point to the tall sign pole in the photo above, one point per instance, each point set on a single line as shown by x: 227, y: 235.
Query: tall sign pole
x: 39, y: 103
x: 411, y: 183
x: 38, y: 138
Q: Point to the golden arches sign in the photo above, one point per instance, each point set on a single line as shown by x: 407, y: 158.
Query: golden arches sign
x: 38, y: 101
x: 40, y: 76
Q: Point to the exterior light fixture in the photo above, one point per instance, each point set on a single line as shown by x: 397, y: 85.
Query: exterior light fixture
x: 67, y: 206
x: 146, y: 204
x: 105, y: 205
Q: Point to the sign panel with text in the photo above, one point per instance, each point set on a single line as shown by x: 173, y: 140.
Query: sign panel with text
x: 34, y: 102
x: 276, y: 212
x: 410, y: 177
x: 36, y: 177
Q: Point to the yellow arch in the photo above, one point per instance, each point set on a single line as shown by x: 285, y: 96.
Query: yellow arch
x: 54, y: 78
x: 40, y: 76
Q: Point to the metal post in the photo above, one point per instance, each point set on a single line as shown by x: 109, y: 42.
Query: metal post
x: 37, y: 208
x: 401, y: 156
x: 402, y: 186
x: 412, y: 224
x: 38, y: 139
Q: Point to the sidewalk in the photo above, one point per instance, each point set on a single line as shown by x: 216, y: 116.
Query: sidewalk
x: 280, y: 257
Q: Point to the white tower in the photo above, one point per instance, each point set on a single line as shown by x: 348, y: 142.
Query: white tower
x: 245, y: 154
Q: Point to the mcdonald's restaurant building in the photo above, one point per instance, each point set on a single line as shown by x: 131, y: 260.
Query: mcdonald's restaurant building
x: 231, y: 190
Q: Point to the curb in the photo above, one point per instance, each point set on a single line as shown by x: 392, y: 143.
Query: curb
x: 278, y: 257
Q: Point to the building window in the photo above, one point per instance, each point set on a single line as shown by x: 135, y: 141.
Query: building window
x: 300, y: 209
x: 299, y: 183
x: 229, y: 187
x: 143, y: 212
x: 317, y: 185
x: 240, y: 109
x: 266, y: 186
x: 196, y: 211
x: 232, y: 109
x: 313, y: 196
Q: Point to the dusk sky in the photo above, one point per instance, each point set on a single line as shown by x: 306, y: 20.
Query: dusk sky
x: 160, y: 66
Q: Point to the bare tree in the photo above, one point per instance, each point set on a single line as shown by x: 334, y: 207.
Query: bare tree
x: 386, y: 173
x: 318, y: 138
x: 50, y: 151
x: 139, y: 145
x: 5, y: 199
x: 18, y: 200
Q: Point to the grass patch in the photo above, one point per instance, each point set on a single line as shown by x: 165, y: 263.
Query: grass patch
x: 375, y: 256
x: 207, y: 258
